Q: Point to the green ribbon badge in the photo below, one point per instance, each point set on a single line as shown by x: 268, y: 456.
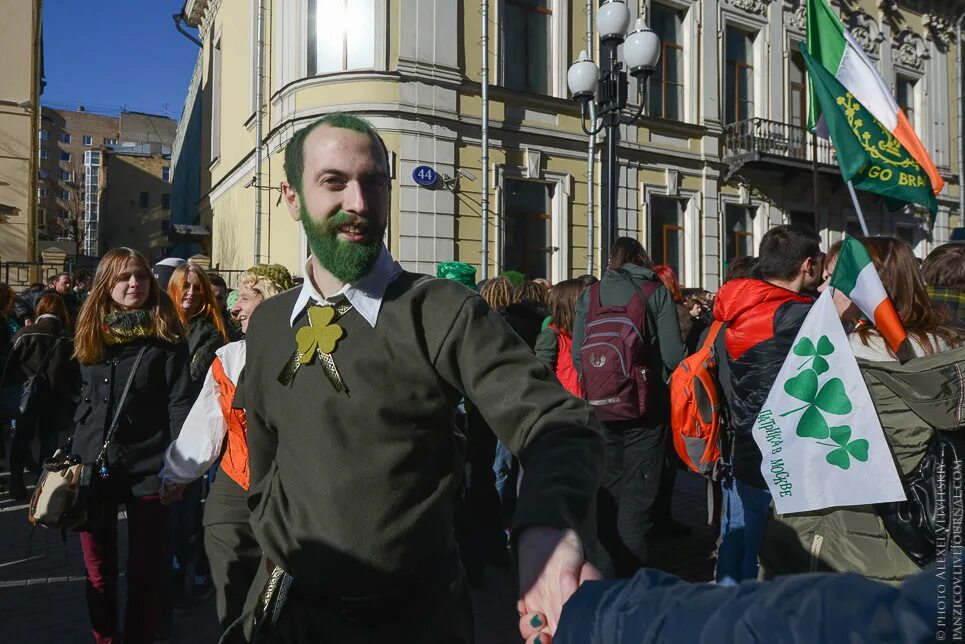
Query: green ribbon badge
x: 321, y: 336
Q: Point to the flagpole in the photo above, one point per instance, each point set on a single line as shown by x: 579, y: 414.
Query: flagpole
x: 857, y: 207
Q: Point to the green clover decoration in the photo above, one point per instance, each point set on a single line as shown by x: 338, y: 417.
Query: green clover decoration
x: 841, y: 456
x: 805, y: 347
x: 830, y: 398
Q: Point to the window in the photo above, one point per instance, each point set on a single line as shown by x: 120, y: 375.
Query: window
x: 65, y: 195
x: 529, y: 237
x: 667, y: 233
x: 166, y: 174
x: 43, y: 173
x: 666, y: 88
x: 738, y: 76
x: 341, y: 35
x: 64, y: 137
x: 88, y: 140
x: 42, y: 193
x: 143, y: 200
x: 216, y: 100
x: 65, y: 156
x: 41, y: 216
x: 739, y: 232
x: 43, y: 153
x: 797, y: 112
x: 905, y: 95
x: 527, y: 45
x: 43, y: 135
x: 65, y: 175
x: 110, y: 141
x: 166, y: 201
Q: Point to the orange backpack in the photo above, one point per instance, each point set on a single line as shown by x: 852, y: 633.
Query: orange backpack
x: 696, y: 409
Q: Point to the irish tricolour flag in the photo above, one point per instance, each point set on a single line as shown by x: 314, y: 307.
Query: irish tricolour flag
x: 836, y: 50
x: 855, y: 276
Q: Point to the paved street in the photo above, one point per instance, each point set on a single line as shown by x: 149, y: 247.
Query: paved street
x: 42, y: 579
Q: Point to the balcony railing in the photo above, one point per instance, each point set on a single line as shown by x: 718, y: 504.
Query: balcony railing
x: 755, y: 139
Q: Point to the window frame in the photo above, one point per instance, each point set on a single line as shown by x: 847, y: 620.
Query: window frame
x: 379, y: 37
x: 528, y: 10
x: 44, y: 134
x: 65, y: 157
x: 65, y: 137
x: 88, y: 139
x: 662, y: 83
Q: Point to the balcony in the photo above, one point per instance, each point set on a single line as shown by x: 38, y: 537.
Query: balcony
x: 761, y: 141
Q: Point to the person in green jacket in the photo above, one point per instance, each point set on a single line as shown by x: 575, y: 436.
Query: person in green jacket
x: 631, y: 498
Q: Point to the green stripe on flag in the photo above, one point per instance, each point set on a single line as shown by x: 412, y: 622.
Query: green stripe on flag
x: 825, y: 41
x: 851, y: 260
x: 869, y: 156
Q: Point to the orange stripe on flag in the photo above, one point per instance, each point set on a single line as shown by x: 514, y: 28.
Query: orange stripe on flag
x: 905, y: 134
x: 889, y: 325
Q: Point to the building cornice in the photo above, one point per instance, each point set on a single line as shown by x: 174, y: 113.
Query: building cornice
x: 194, y: 11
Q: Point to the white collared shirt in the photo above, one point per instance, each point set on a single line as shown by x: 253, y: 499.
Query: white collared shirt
x: 365, y: 295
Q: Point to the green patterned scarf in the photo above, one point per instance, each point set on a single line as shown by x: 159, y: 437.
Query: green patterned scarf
x: 121, y: 327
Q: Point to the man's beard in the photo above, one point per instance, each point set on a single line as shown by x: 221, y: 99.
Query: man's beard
x: 346, y: 261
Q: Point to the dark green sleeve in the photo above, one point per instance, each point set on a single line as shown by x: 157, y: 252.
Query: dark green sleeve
x: 579, y: 328
x: 547, y: 348
x: 262, y: 440
x: 530, y: 413
x: 668, y: 329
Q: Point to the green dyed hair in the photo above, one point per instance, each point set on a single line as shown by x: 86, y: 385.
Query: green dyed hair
x: 295, y: 150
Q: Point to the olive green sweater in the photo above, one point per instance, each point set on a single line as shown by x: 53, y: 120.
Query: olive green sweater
x: 353, y: 493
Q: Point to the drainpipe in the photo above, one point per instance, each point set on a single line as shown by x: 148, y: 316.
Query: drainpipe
x: 260, y: 58
x: 484, y: 252
x: 178, y: 19
x: 590, y: 159
x: 961, y: 118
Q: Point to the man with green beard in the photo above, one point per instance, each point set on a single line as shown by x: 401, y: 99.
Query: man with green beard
x: 351, y: 387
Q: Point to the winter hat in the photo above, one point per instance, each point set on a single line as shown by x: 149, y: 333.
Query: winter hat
x: 458, y: 272
x: 164, y: 269
x: 515, y: 278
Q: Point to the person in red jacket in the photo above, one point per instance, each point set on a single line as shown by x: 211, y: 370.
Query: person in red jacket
x: 763, y: 316
x: 554, y: 343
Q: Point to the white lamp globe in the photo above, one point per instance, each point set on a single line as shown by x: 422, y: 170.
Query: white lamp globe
x: 641, y: 50
x: 612, y: 20
x: 582, y: 77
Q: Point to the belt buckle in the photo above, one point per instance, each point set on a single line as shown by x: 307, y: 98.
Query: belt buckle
x: 356, y: 608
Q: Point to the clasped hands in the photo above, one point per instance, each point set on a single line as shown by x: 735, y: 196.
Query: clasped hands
x: 551, y: 568
x: 171, y: 493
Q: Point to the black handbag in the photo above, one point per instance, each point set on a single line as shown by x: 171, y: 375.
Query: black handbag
x: 67, y: 485
x: 922, y: 525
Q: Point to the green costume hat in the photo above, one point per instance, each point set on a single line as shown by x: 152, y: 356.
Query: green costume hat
x: 458, y: 272
x: 515, y: 278
x: 275, y: 273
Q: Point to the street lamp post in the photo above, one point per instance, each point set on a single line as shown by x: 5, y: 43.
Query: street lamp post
x: 605, y: 97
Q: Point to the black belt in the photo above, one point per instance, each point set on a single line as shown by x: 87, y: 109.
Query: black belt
x: 282, y: 588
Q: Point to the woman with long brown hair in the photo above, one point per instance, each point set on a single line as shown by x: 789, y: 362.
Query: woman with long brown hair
x: 554, y: 345
x: 128, y: 331
x: 192, y: 294
x: 928, y: 330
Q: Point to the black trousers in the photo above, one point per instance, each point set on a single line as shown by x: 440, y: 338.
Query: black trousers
x: 229, y: 542
x: 20, y: 449
x: 635, y: 460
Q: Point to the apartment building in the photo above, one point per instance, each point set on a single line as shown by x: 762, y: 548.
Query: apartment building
x: 719, y: 156
x: 21, y: 84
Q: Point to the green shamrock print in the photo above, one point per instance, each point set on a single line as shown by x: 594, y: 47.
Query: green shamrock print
x: 847, y: 448
x: 806, y: 348
x: 830, y: 397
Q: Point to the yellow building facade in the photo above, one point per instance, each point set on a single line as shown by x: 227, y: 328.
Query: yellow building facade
x: 718, y: 158
x: 19, y: 116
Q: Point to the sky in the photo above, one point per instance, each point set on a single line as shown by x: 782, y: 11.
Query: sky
x: 109, y: 54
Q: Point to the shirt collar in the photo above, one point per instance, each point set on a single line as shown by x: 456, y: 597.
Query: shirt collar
x: 365, y: 295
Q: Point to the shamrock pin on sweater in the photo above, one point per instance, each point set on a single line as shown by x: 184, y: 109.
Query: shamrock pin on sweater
x: 320, y: 338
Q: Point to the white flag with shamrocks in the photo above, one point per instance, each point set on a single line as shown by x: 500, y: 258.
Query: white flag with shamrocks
x: 818, y: 431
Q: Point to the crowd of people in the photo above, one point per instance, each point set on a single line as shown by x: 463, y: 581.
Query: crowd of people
x: 340, y: 459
